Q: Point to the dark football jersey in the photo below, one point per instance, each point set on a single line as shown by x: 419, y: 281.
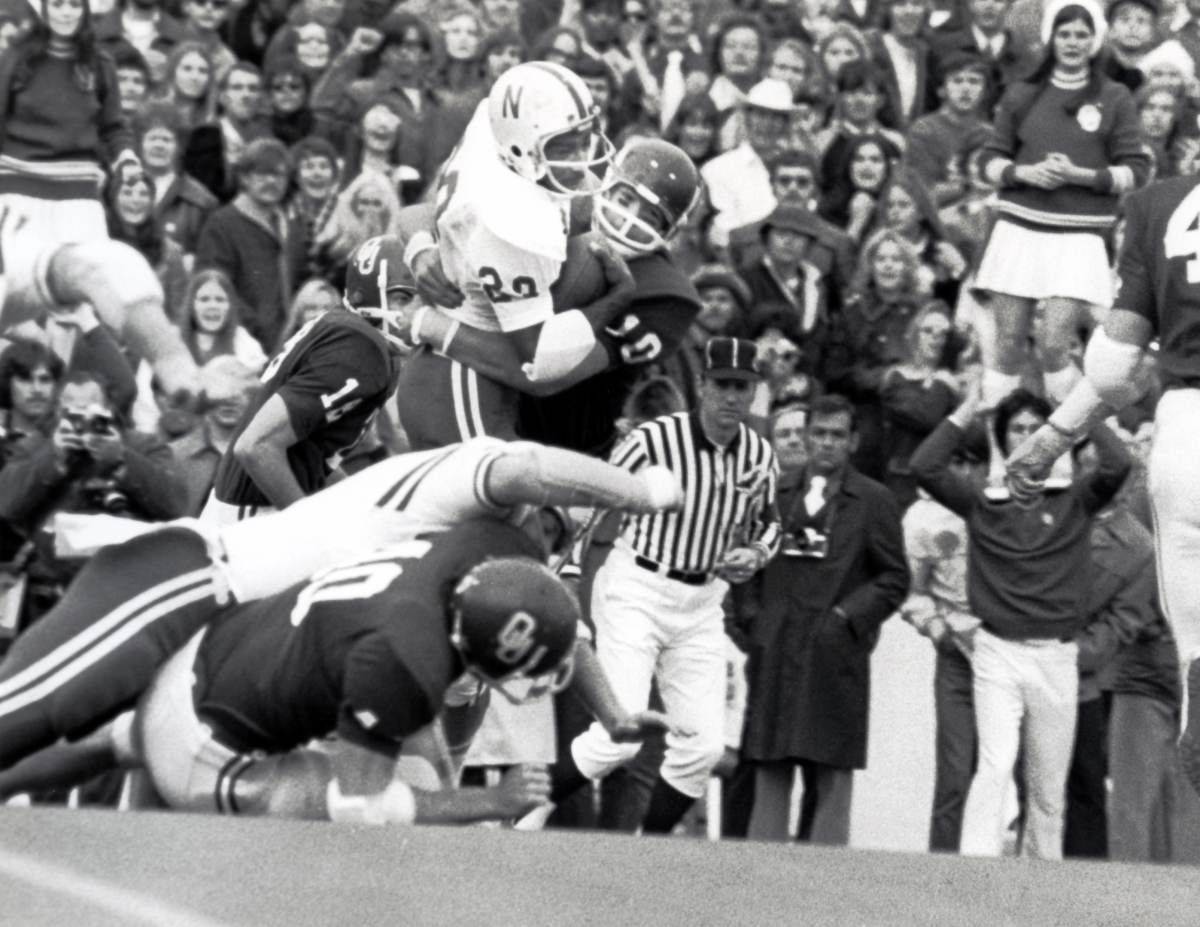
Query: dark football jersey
x: 362, y: 650
x: 583, y: 417
x: 1159, y: 272
x: 333, y: 375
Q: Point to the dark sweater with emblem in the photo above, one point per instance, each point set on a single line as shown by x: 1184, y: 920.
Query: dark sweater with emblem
x: 1028, y: 565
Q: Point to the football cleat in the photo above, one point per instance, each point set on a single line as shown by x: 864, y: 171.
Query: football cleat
x: 547, y: 128
x: 514, y: 625
x: 650, y: 190
x: 380, y: 287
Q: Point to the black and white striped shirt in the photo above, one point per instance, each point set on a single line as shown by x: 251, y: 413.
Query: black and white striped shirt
x: 729, y: 493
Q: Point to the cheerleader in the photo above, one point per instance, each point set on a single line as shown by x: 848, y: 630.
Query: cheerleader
x: 1067, y: 144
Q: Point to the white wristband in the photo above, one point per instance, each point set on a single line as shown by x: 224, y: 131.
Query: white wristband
x: 414, y: 330
x: 418, y: 244
x: 394, y: 805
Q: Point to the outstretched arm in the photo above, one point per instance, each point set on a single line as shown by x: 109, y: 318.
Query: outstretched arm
x: 531, y: 474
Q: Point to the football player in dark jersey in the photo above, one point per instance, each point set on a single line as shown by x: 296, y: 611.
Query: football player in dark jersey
x: 368, y: 651
x: 1158, y: 298
x: 320, y: 393
x: 652, y: 188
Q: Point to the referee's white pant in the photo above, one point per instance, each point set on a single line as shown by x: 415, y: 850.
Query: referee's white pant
x: 646, y: 626
x: 1175, y: 496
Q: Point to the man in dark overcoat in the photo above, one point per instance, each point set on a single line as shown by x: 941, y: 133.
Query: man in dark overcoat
x: 814, y: 621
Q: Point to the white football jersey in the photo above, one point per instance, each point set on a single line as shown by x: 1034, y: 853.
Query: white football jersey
x: 502, y: 239
x: 385, y: 503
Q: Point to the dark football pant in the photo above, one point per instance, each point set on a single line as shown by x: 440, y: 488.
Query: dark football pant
x: 92, y: 655
x: 443, y: 402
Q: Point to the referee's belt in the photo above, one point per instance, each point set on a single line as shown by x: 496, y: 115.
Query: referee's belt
x: 682, y: 576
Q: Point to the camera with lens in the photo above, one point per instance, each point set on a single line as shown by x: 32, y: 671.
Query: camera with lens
x: 807, y: 543
x: 102, y: 493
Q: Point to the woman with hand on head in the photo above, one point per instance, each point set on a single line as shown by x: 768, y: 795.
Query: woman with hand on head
x: 906, y: 206
x: 852, y: 196
x: 1067, y: 144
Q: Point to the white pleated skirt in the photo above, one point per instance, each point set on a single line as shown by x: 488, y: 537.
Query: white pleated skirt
x: 1033, y: 264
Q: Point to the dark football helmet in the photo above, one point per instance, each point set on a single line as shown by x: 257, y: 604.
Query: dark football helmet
x: 379, y: 286
x: 514, y: 620
x: 651, y: 187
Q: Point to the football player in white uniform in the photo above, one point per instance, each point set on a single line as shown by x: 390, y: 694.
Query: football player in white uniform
x: 500, y: 226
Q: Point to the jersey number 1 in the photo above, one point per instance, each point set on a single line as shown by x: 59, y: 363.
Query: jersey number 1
x: 1183, y: 234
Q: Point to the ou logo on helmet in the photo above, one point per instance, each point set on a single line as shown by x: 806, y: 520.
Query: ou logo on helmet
x: 516, y: 639
x: 368, y: 253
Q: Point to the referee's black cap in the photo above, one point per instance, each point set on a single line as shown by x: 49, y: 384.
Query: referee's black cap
x: 731, y: 359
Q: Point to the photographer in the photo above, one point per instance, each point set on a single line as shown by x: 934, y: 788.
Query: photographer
x: 840, y: 573
x: 86, y: 463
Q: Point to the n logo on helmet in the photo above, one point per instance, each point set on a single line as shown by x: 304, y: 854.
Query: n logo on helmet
x: 515, y: 641
x: 511, y: 107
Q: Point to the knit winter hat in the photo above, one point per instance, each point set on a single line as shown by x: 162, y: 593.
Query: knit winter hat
x: 1091, y: 7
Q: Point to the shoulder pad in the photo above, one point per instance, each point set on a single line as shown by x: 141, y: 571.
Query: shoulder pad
x: 657, y: 277
x: 526, y: 217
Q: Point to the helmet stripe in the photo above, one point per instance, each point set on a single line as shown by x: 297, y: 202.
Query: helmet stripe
x: 584, y: 112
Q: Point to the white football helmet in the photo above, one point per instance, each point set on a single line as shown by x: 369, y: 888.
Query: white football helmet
x: 547, y: 128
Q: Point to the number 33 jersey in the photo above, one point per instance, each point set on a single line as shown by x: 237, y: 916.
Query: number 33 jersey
x: 333, y: 375
x: 362, y: 650
x: 502, y: 239
x: 1159, y: 273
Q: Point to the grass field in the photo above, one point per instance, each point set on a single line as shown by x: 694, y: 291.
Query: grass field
x: 84, y: 868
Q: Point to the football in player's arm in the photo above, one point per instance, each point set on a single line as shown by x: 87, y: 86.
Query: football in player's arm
x: 572, y: 352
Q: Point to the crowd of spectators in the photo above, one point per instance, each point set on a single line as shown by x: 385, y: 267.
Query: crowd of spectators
x: 855, y: 156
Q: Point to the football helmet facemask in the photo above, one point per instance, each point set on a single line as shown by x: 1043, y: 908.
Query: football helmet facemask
x: 648, y: 177
x: 547, y: 128
x: 379, y: 286
x: 514, y: 625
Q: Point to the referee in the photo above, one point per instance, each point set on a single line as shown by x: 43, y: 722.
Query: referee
x: 657, y: 599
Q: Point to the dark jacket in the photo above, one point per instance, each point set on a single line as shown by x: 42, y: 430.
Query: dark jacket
x: 183, y: 210
x: 33, y: 489
x: 1027, y: 566
x: 809, y: 667
x: 263, y: 264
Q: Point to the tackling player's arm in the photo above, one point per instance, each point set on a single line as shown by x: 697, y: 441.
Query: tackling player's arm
x: 497, y: 355
x: 639, y: 336
x: 1115, y: 361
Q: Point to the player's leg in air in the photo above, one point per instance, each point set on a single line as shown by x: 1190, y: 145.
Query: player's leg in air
x: 41, y: 273
x: 94, y: 653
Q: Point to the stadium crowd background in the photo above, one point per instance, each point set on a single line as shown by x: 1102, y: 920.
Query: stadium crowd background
x: 843, y: 145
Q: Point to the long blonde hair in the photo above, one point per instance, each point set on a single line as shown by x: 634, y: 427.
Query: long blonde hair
x: 347, y: 229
